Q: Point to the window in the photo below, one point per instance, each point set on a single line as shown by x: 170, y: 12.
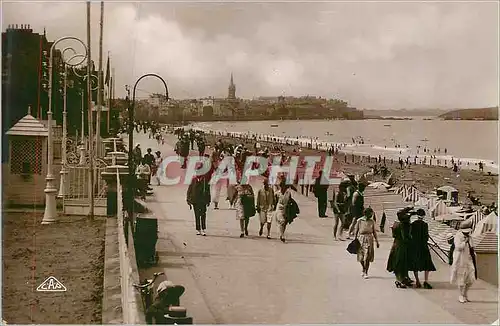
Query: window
x: 26, y: 156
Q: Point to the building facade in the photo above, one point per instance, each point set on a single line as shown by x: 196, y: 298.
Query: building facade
x: 25, y: 61
x: 24, y: 55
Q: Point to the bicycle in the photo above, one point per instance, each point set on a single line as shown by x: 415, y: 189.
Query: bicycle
x: 146, y: 288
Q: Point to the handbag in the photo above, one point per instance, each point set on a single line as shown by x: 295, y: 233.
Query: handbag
x: 354, y: 246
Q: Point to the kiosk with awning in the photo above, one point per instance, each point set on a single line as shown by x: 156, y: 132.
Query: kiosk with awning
x: 448, y: 193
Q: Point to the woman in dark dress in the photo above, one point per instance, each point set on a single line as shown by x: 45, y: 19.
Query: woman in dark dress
x: 421, y: 260
x: 398, y: 262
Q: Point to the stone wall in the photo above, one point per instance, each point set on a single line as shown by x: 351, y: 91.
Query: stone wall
x: 122, y: 303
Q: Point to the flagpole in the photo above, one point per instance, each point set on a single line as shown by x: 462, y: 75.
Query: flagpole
x: 89, y: 108
x: 109, y: 80
x: 99, y: 89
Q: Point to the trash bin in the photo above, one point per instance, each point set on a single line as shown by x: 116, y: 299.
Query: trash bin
x: 145, y: 238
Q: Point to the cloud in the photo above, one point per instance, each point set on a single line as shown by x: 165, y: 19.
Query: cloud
x: 375, y: 55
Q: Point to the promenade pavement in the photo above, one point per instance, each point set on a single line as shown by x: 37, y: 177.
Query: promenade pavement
x: 309, y: 279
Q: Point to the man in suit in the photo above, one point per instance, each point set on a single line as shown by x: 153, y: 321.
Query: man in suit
x: 198, y: 199
x: 321, y: 192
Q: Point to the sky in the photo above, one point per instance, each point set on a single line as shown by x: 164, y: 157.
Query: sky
x: 375, y: 55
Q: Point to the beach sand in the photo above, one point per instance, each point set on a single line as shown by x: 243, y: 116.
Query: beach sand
x: 425, y: 178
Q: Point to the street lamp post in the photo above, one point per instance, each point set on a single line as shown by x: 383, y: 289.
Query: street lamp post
x: 131, y: 172
x: 64, y: 172
x: 50, y: 213
x: 82, y: 142
x: 83, y: 78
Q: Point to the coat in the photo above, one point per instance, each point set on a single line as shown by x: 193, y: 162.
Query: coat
x: 399, y: 256
x: 265, y: 199
x: 421, y: 259
x: 462, y: 269
x: 198, y: 192
x: 281, y: 205
x: 320, y: 189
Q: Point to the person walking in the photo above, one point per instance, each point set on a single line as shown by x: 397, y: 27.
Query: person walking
x: 283, y: 197
x: 366, y: 234
x: 352, y: 185
x: 184, y: 151
x: 137, y: 154
x: 357, y: 206
x: 421, y: 260
x: 200, y: 143
x: 265, y: 205
x: 245, y: 206
x: 321, y: 193
x: 215, y: 157
x: 398, y: 261
x: 339, y: 209
x: 143, y: 173
x: 149, y: 159
x: 230, y: 187
x: 463, y: 269
x: 156, y: 167
x: 198, y: 198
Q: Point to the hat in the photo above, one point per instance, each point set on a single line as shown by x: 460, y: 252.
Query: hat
x: 466, y: 226
x: 420, y: 212
x: 169, y: 286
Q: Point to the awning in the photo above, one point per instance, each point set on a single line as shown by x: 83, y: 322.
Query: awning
x: 447, y: 189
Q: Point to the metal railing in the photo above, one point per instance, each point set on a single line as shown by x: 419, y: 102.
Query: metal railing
x: 78, y: 182
x: 440, y: 252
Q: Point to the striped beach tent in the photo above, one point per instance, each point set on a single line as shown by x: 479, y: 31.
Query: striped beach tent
x: 413, y: 194
x: 439, y: 209
x: 486, y: 224
x: 399, y: 190
x: 405, y: 191
x: 432, y: 201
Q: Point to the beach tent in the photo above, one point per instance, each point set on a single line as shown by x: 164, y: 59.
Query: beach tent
x: 399, y: 190
x: 487, y: 224
x: 413, y: 194
x: 440, y: 208
x: 432, y: 200
x: 448, y: 193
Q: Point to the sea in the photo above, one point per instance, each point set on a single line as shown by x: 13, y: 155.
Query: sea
x: 469, y: 141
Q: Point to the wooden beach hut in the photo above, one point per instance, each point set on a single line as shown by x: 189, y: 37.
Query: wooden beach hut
x: 486, y: 247
x: 448, y: 194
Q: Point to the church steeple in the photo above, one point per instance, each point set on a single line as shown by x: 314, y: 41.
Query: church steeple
x: 231, y: 89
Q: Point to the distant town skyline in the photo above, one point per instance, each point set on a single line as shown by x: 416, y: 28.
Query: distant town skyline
x: 372, y: 55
